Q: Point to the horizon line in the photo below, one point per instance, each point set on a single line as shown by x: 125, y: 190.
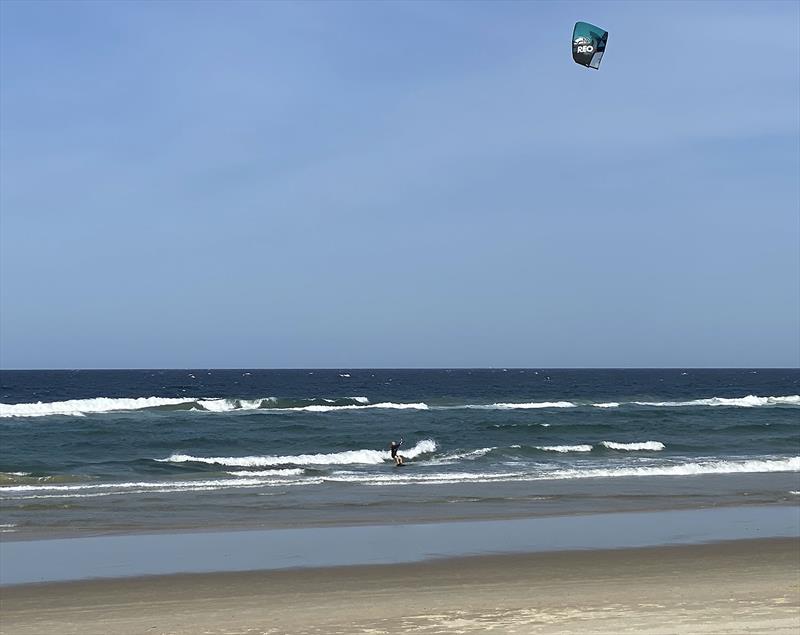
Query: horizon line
x: 413, y: 368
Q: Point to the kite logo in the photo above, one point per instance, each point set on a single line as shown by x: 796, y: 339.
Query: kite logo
x: 583, y: 44
x: 588, y: 44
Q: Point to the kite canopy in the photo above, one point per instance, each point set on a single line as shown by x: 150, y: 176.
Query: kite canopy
x: 588, y: 44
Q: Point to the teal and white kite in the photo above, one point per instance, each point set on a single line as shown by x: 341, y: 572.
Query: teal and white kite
x: 588, y: 44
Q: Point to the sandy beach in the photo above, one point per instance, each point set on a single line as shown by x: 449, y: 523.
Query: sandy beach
x: 733, y: 587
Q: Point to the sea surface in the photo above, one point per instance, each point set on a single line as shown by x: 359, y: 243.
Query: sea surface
x: 95, y: 452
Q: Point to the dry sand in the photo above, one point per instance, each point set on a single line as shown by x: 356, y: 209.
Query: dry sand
x: 737, y: 587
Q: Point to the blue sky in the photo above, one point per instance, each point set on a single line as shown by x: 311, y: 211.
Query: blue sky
x: 398, y: 184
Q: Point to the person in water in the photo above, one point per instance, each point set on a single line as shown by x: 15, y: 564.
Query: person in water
x: 394, y: 446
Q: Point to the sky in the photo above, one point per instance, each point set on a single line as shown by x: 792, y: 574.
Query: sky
x: 398, y: 184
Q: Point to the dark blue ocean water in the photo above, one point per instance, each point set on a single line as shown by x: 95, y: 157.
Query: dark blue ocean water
x: 98, y: 451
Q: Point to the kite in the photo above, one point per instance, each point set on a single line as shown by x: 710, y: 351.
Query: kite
x: 588, y: 44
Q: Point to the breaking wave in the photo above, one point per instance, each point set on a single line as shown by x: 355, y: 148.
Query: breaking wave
x: 655, y: 446
x: 384, y: 405
x: 531, y: 405
x: 563, y: 449
x: 78, y: 407
x: 297, y: 477
x: 348, y: 457
x: 750, y: 401
x: 81, y: 407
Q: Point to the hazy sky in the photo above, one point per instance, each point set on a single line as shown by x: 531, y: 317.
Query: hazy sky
x: 260, y: 184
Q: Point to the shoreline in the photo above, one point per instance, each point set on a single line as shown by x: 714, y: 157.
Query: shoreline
x: 734, y: 586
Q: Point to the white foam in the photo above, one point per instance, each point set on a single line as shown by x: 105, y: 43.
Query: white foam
x: 137, y: 485
x: 167, y: 487
x: 77, y: 407
x: 81, y: 407
x: 565, y: 448
x: 473, y: 454
x: 387, y: 405
x: 531, y: 405
x: 610, y: 404
x: 655, y: 446
x: 217, y: 405
x: 294, y: 471
x: 685, y: 469
x: 363, y: 457
x: 750, y: 401
x: 434, y: 479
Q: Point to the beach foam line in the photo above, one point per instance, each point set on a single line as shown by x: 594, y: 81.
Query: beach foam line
x: 294, y: 471
x: 685, y: 469
x: 364, y: 457
x: 440, y: 478
x: 398, y: 478
x: 169, y: 488
x: 458, y: 456
x: 694, y: 468
x: 136, y: 485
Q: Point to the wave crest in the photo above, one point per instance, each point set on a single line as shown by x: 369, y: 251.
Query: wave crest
x: 81, y: 407
x: 750, y: 401
x: 348, y: 457
x: 78, y: 407
x: 655, y: 446
x: 531, y: 405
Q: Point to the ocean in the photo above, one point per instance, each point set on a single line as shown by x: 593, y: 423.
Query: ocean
x: 91, y: 452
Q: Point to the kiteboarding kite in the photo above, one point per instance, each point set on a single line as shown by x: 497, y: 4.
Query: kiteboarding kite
x: 588, y: 44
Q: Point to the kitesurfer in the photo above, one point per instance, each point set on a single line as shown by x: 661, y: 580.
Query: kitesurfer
x: 394, y: 446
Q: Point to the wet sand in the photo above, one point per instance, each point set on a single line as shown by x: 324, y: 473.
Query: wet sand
x: 91, y: 557
x: 732, y: 587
